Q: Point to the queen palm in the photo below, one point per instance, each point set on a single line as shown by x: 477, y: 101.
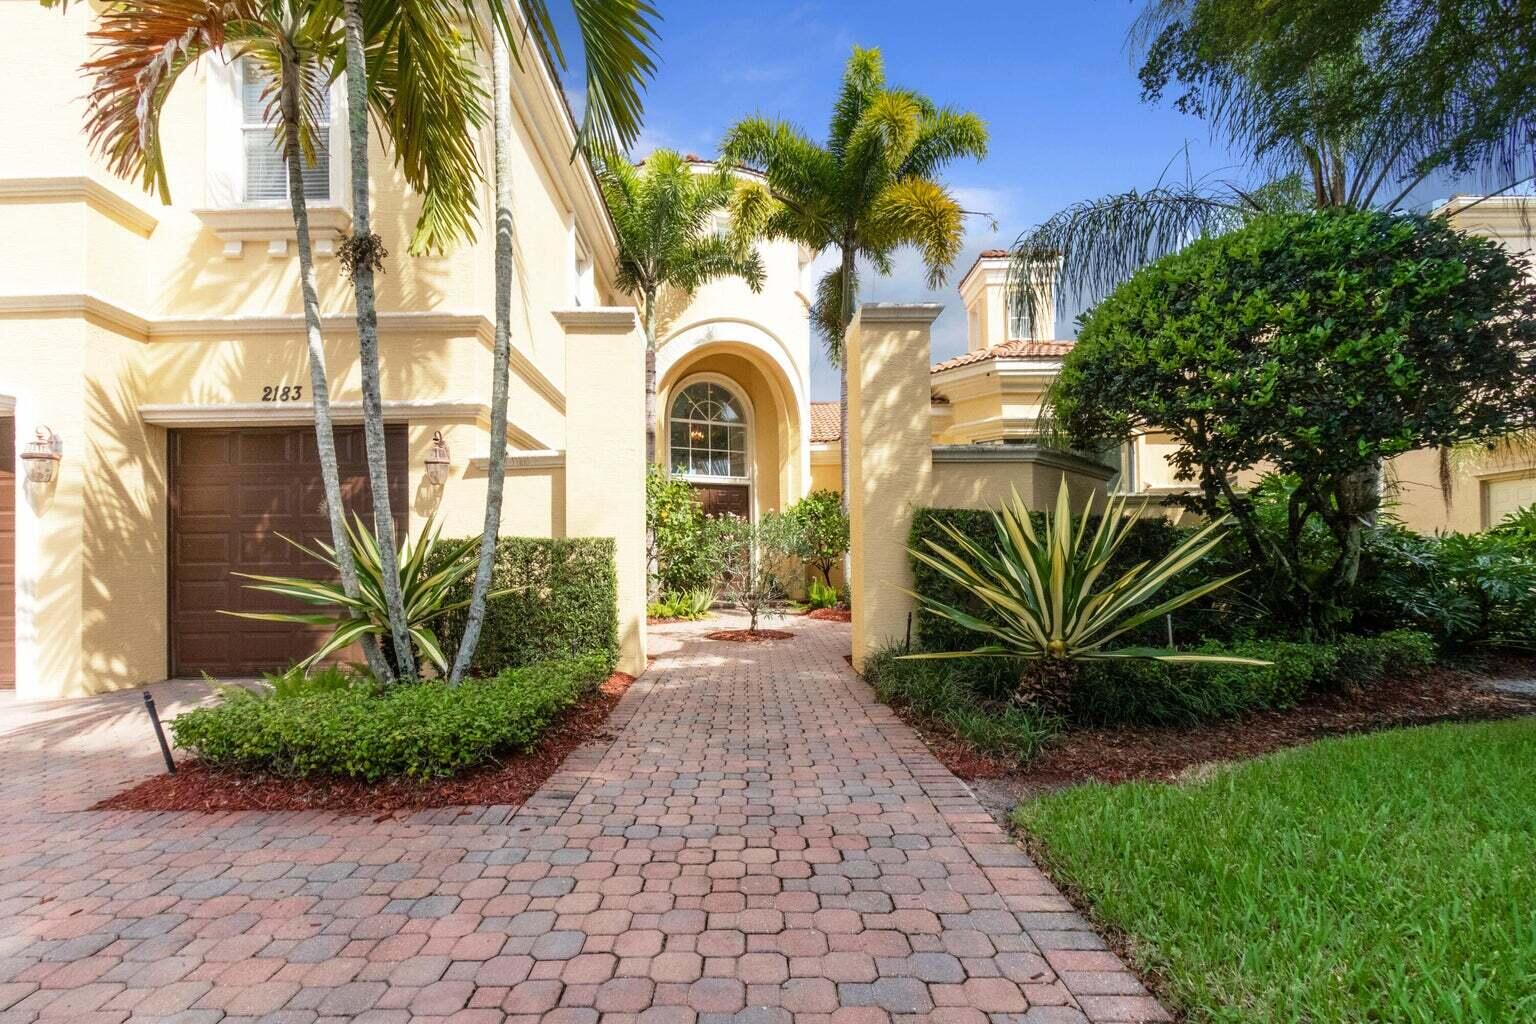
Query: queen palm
x: 666, y: 214
x: 146, y: 45
x: 617, y: 39
x: 869, y: 191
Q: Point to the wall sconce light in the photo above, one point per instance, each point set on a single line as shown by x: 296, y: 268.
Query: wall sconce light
x: 438, y: 460
x: 41, y: 456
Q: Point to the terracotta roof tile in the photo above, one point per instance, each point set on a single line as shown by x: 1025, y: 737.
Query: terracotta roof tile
x: 1017, y: 349
x: 826, y: 423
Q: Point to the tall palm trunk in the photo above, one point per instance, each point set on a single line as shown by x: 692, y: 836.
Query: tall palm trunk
x: 501, y: 106
x: 842, y: 402
x: 846, y: 316
x: 650, y: 377
x: 319, y: 381
x: 363, y: 253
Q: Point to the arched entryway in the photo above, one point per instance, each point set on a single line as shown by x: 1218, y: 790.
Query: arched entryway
x: 709, y: 442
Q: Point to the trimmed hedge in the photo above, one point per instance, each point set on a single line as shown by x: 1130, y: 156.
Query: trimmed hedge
x: 418, y: 730
x: 1150, y: 692
x: 565, y: 605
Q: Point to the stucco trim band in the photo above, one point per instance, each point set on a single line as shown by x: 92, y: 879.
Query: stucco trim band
x: 80, y: 189
x: 543, y: 458
x: 591, y: 319
x: 284, y: 414
x: 999, y: 453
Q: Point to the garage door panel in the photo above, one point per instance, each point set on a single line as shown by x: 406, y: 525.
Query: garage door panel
x: 1503, y: 498
x: 233, y: 492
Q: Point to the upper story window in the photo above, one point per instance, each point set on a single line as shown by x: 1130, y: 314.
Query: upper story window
x: 708, y: 436
x: 266, y: 173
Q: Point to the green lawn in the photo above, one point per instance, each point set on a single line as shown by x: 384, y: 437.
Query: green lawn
x: 1384, y: 878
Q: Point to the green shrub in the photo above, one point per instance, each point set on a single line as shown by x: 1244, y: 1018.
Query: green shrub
x: 694, y: 604
x: 1152, y: 693
x: 945, y: 692
x: 819, y: 595
x: 418, y: 730
x: 680, y: 545
x: 563, y: 603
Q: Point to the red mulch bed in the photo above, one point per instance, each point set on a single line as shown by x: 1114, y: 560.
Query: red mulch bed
x: 748, y: 636
x: 198, y: 787
x: 1124, y: 754
x: 830, y: 615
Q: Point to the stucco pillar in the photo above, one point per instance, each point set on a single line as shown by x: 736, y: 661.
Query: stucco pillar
x: 890, y: 441
x: 605, y: 452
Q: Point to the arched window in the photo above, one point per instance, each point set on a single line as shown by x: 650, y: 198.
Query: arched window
x: 708, y: 435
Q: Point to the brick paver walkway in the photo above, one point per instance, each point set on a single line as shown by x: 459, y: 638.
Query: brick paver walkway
x: 759, y: 841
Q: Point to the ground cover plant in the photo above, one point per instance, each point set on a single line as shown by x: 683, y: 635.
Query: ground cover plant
x: 361, y: 730
x: 1376, y: 878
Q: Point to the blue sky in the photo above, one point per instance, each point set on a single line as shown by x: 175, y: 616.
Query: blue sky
x: 1053, y: 80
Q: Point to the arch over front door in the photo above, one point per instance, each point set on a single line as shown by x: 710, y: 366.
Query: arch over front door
x: 709, y: 443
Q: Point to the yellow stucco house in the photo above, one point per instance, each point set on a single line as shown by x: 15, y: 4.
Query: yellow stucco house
x: 158, y: 352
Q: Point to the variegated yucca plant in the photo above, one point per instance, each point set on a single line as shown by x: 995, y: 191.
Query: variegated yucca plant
x: 1043, y: 587
x: 426, y: 596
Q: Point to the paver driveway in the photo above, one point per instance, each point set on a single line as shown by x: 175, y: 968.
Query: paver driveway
x: 758, y: 841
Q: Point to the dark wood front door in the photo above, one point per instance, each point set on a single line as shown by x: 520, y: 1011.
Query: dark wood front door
x: 722, y: 499
x: 7, y: 552
x: 232, y: 493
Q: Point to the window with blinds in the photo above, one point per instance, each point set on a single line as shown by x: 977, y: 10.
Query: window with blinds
x: 266, y: 175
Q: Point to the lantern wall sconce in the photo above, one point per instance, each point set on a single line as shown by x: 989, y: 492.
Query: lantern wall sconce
x: 41, y: 456
x: 438, y: 460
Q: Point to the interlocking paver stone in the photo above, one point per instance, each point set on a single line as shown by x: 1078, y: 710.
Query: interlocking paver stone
x: 755, y: 839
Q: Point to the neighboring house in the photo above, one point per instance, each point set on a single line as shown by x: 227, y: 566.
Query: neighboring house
x: 1485, y: 486
x: 163, y: 347
x: 993, y: 394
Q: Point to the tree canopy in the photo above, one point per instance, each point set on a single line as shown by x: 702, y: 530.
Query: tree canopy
x: 1315, y: 345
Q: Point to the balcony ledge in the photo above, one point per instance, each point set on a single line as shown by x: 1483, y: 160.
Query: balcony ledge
x: 273, y: 225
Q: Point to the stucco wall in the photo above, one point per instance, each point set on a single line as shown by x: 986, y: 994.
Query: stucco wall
x: 895, y: 467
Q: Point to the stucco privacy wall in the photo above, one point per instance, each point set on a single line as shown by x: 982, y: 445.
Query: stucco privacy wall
x: 605, y: 454
x: 895, y: 468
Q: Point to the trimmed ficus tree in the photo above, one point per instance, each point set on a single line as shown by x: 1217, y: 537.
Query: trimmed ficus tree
x: 1315, y: 345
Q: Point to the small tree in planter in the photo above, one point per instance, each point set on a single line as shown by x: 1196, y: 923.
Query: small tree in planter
x: 752, y: 565
x: 818, y: 531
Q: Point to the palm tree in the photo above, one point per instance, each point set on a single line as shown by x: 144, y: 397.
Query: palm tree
x: 1356, y: 117
x: 665, y: 214
x: 870, y: 190
x: 145, y: 46
x: 1336, y: 104
x: 617, y: 37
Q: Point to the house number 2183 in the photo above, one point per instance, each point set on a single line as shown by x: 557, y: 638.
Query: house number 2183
x: 282, y: 392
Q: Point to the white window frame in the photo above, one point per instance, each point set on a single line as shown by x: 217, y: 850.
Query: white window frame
x: 225, y: 185
x: 745, y: 404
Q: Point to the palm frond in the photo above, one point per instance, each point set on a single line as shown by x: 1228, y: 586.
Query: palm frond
x: 1092, y: 246
x: 921, y: 213
x: 619, y: 43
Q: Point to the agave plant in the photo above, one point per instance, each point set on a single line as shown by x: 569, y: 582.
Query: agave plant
x: 1043, y: 588
x: 426, y: 596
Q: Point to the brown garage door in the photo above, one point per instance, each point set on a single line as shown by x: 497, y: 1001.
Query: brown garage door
x: 232, y: 493
x: 7, y: 552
